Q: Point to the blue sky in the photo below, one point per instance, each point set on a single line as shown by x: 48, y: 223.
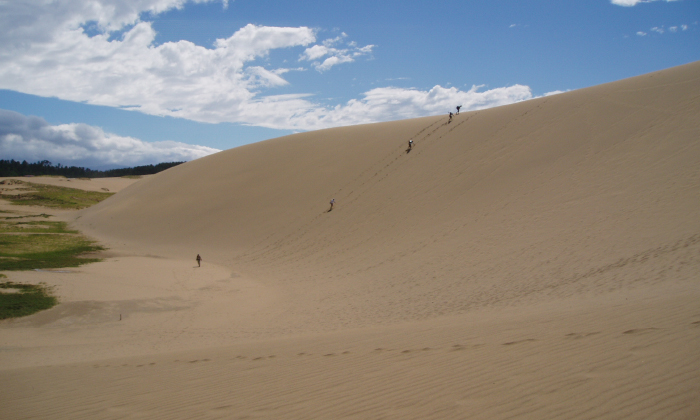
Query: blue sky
x: 113, y: 83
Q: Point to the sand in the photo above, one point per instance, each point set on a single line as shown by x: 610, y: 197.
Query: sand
x: 87, y: 184
x: 538, y: 260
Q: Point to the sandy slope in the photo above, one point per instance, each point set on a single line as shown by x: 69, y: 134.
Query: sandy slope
x: 539, y: 260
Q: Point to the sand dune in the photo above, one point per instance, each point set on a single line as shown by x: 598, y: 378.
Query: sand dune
x: 539, y: 260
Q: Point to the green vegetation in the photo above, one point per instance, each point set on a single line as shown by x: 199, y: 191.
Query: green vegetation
x: 29, y: 243
x: 44, y: 215
x: 53, y: 196
x: 42, y: 245
x: 17, y: 299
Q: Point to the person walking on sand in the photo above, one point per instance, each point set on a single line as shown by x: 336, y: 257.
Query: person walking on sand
x: 332, y: 203
x: 450, y: 120
x: 410, y: 145
x: 458, y: 107
x: 199, y: 260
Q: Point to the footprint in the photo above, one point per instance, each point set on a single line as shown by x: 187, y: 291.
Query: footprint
x: 640, y: 330
x: 510, y: 343
x: 576, y: 336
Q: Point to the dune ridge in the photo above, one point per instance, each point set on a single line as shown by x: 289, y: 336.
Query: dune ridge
x: 538, y: 260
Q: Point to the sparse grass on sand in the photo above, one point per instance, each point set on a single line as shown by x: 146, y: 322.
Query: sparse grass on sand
x: 41, y: 245
x: 17, y: 299
x: 31, y: 194
x: 30, y: 244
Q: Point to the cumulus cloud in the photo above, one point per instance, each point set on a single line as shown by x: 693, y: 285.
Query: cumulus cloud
x: 334, y: 56
x: 630, y: 3
x: 46, y: 50
x: 392, y: 103
x: 33, y: 139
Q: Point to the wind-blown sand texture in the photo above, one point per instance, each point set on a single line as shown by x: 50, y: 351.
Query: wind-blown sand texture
x: 539, y: 260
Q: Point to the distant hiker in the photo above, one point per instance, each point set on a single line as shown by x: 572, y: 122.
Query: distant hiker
x: 458, y: 107
x: 332, y: 203
x: 410, y: 144
x: 450, y: 118
x: 199, y: 260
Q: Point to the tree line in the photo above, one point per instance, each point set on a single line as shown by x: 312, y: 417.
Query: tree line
x: 44, y: 167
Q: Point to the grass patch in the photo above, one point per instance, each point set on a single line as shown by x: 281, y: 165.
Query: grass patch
x: 44, y: 215
x: 42, y: 245
x: 55, y: 196
x: 34, y: 227
x: 17, y: 299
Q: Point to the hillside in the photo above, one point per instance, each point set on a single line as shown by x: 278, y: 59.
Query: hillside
x: 533, y: 261
x: 550, y: 196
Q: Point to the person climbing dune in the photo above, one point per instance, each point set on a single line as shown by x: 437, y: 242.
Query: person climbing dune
x: 332, y: 204
x: 458, y: 107
x: 450, y: 120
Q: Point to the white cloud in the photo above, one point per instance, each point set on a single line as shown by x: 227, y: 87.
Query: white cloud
x: 314, y: 53
x: 555, y: 92
x: 332, y: 61
x: 33, y: 139
x: 391, y: 103
x: 661, y: 30
x: 336, y: 55
x: 208, y: 85
x: 630, y: 3
x: 45, y: 51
